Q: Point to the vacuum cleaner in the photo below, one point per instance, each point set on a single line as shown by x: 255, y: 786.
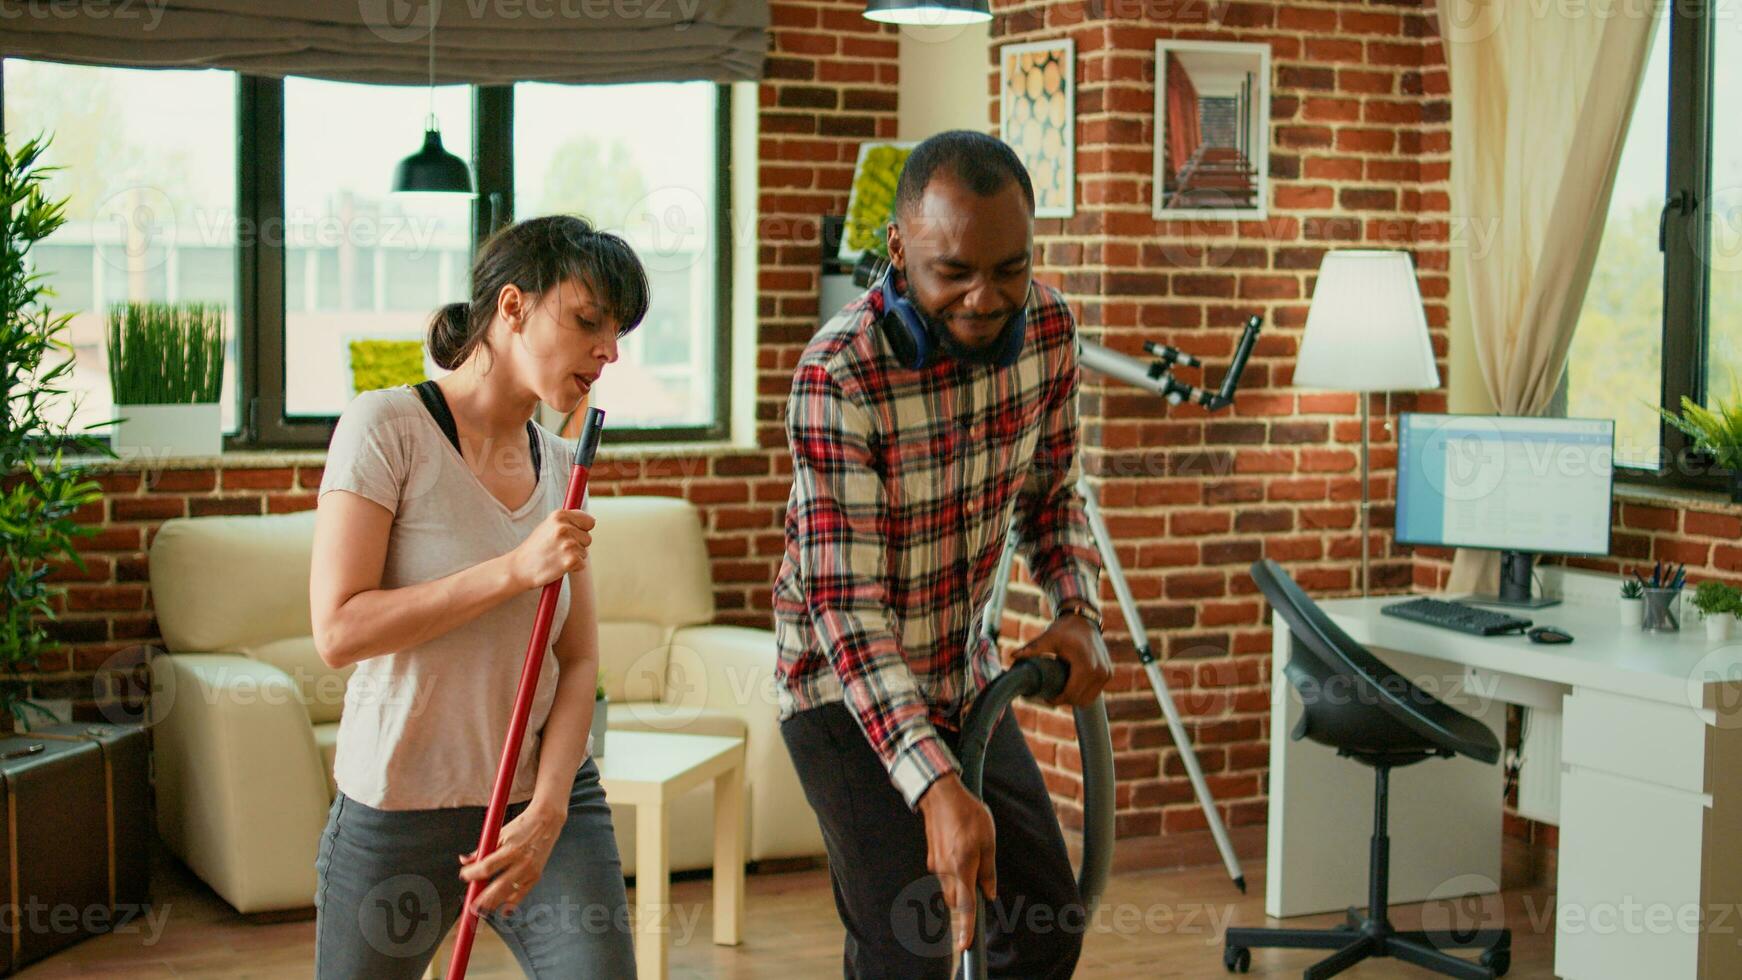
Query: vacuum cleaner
x: 1044, y: 678
x: 585, y: 448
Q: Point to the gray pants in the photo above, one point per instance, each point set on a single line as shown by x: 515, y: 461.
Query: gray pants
x: 390, y: 888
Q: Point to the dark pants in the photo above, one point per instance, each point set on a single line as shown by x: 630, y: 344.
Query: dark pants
x: 896, y: 920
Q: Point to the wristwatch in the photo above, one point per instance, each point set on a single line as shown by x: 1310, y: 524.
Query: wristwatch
x: 1083, y: 608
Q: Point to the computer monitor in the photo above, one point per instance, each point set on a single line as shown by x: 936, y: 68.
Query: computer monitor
x: 1520, y: 486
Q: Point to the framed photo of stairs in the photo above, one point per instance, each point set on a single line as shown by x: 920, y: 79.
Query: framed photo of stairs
x: 1212, y: 125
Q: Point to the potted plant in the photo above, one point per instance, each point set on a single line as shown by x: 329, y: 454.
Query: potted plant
x: 166, y: 368
x: 1632, y: 606
x: 1716, y: 431
x: 39, y: 490
x: 1719, y: 605
x: 600, y: 702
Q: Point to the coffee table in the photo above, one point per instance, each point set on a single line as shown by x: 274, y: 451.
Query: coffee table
x: 647, y: 770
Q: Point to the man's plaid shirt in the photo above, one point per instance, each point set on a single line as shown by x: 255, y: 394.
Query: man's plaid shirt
x: 904, y: 486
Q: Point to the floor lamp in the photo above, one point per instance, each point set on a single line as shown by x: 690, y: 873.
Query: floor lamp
x: 1366, y: 332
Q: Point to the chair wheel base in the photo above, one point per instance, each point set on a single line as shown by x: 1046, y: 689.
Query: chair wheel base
x: 1236, y: 959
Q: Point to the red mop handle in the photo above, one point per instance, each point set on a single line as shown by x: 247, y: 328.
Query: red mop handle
x: 585, y: 447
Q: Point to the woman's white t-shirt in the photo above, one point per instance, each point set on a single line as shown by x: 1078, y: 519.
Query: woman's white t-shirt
x: 423, y: 727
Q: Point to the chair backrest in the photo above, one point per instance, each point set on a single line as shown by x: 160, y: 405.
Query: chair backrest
x: 1353, y: 701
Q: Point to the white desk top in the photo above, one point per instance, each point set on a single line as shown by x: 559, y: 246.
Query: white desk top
x: 1677, y: 668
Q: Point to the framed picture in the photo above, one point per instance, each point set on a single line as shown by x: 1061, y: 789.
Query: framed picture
x: 1038, y: 98
x: 1212, y: 129
x: 871, y: 200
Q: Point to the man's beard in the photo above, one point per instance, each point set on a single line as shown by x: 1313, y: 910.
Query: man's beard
x: 939, y: 328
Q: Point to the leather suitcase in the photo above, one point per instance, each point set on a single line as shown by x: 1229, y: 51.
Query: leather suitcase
x: 74, y: 826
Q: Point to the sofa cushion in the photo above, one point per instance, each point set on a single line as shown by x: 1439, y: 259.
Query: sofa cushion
x: 321, y: 688
x: 650, y: 576
x: 632, y: 658
x: 650, y: 562
x: 224, y: 583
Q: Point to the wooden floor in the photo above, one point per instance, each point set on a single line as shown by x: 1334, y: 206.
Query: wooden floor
x: 1152, y: 925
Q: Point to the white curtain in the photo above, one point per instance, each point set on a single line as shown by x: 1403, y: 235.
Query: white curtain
x: 1541, y: 98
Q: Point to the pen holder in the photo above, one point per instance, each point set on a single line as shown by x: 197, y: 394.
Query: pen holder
x: 1662, y: 612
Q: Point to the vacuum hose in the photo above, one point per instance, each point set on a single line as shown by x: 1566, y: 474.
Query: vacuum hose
x: 1044, y: 677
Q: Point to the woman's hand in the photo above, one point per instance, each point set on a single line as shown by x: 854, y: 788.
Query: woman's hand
x: 555, y: 548
x: 518, y: 861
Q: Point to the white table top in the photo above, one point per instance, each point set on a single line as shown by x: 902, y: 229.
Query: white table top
x: 663, y: 759
x: 1677, y: 668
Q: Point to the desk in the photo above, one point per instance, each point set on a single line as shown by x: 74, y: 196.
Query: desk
x: 648, y: 769
x: 1650, y: 863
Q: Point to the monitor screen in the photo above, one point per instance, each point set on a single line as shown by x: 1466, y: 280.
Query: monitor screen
x: 1505, y: 483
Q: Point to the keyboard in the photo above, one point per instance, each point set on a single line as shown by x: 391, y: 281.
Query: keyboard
x: 1455, y: 616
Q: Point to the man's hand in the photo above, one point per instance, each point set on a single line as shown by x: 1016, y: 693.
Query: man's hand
x: 1075, y: 641
x: 959, y: 840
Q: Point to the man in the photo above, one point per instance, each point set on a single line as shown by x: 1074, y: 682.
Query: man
x: 907, y: 473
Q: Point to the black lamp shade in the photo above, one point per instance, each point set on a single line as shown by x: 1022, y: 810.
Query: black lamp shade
x: 928, y: 13
x: 432, y: 169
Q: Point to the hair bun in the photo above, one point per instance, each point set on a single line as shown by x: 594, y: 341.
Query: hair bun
x: 448, y: 331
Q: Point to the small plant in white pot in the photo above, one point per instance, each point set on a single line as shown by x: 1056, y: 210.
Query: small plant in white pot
x: 1632, y: 602
x: 1718, y: 605
x: 166, y: 369
x: 600, y: 702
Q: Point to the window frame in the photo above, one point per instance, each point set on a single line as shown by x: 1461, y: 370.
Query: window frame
x: 260, y: 261
x: 1683, y: 224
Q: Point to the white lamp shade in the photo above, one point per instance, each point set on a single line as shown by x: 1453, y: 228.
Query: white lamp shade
x: 1366, y: 330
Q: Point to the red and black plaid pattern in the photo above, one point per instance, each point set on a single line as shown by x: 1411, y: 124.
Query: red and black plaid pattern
x: 905, y: 483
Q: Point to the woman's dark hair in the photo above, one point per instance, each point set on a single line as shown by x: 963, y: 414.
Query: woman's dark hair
x: 536, y: 255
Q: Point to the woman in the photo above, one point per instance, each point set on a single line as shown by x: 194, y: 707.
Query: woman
x: 439, y: 523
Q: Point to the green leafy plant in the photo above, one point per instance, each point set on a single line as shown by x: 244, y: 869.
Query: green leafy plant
x: 166, y: 353
x: 379, y: 364
x: 873, y: 198
x: 1632, y: 589
x: 1716, y: 430
x: 1714, y: 598
x: 40, y: 491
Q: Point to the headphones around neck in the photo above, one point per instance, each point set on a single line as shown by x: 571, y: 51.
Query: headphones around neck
x: 916, y: 346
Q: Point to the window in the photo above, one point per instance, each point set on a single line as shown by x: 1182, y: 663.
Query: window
x: 148, y: 169
x: 1663, y: 315
x: 589, y: 150
x: 272, y: 197
x: 361, y: 263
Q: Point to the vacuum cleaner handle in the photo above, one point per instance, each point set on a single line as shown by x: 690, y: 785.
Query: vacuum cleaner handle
x: 1044, y: 677
x: 585, y: 447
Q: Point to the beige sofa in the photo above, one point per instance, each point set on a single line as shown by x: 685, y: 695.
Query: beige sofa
x: 245, y: 713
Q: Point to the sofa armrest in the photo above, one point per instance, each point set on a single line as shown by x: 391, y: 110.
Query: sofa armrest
x: 241, y: 788
x: 730, y: 669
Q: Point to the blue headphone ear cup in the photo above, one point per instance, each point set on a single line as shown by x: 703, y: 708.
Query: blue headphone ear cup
x: 905, y: 327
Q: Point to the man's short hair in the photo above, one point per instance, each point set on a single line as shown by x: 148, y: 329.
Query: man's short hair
x: 984, y: 163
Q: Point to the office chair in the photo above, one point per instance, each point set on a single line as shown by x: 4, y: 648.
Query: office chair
x: 1367, y: 712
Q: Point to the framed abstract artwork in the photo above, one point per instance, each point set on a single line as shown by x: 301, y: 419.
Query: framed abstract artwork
x: 1037, y: 117
x: 1212, y: 129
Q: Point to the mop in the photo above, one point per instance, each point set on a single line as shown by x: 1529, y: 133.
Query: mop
x: 585, y: 447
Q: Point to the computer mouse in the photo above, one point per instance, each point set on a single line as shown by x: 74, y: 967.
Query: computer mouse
x: 1549, y: 634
